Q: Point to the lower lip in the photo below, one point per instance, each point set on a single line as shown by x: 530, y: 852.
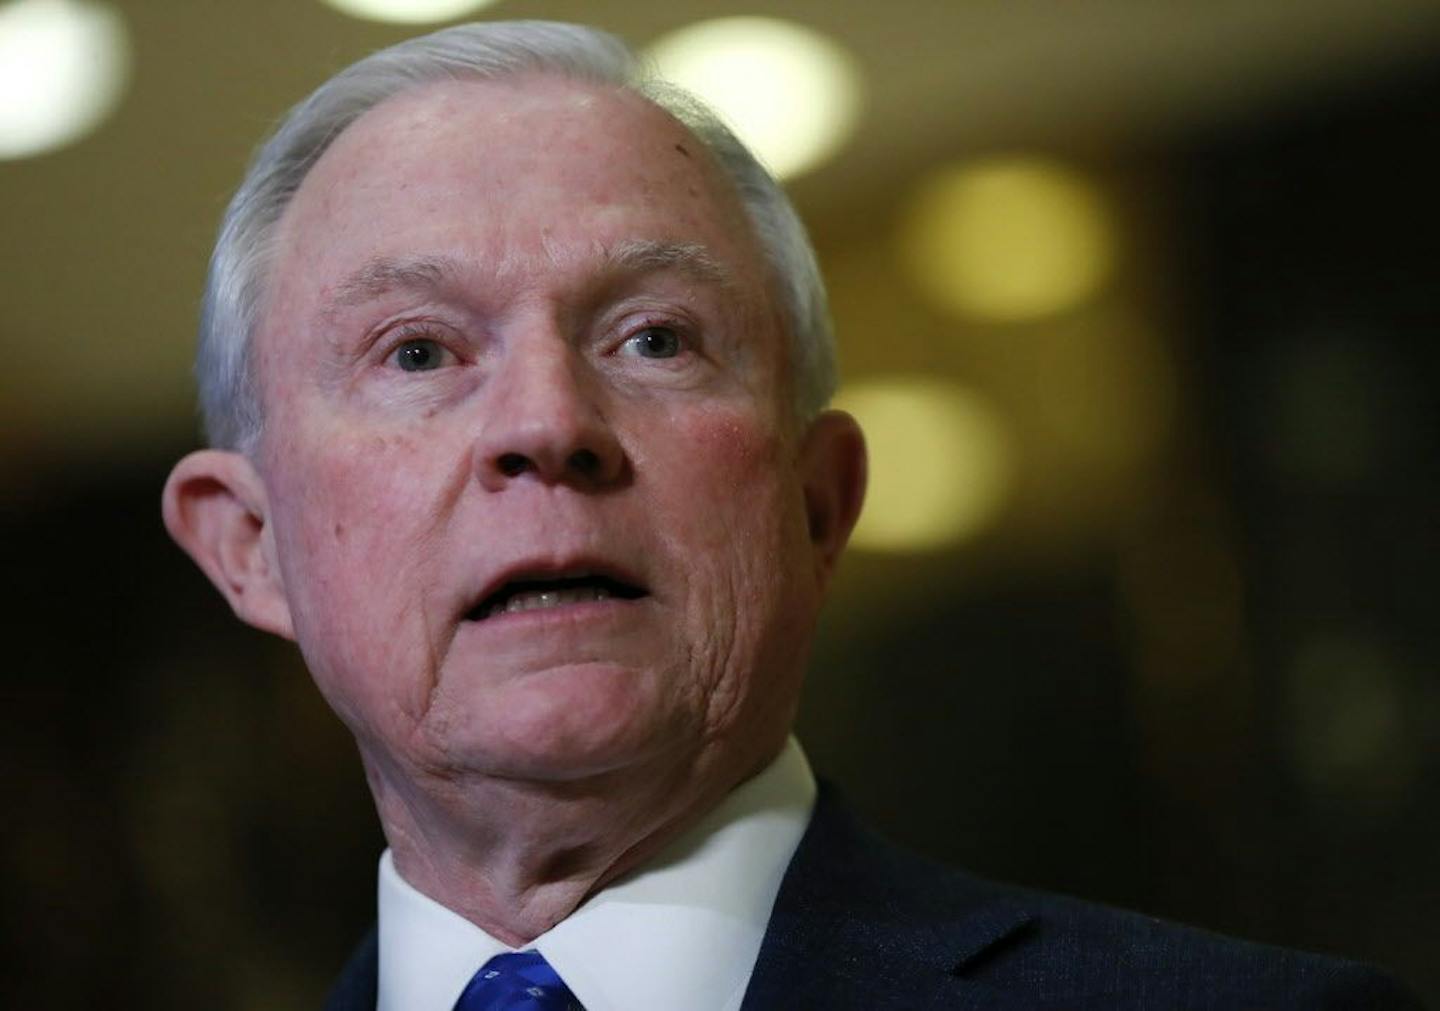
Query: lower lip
x: 560, y: 614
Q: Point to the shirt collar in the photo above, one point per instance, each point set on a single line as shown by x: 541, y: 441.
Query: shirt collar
x: 683, y: 931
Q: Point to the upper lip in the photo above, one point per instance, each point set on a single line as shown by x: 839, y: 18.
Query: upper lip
x: 534, y: 570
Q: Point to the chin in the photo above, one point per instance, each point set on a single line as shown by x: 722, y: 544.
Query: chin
x: 562, y: 724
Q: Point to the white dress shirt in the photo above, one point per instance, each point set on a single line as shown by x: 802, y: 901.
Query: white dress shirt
x: 681, y: 932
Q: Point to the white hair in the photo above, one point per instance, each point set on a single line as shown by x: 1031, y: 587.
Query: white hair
x: 240, y: 266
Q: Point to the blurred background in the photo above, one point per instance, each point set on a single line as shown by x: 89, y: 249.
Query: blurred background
x: 1136, y: 301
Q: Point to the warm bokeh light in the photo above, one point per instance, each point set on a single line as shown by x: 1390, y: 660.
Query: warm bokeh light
x: 409, y: 11
x: 63, y: 65
x: 788, y: 92
x: 1007, y: 239
x: 940, y: 462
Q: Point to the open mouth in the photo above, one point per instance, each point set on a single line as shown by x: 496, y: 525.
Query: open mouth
x: 518, y: 595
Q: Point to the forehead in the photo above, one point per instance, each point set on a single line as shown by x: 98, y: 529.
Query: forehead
x: 497, y: 173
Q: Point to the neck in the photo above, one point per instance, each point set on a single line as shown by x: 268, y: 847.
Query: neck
x: 515, y: 857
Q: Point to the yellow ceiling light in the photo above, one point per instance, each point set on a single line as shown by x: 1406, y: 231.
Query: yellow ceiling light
x: 409, y: 11
x: 940, y: 462
x: 63, y: 65
x: 1007, y: 239
x: 788, y: 92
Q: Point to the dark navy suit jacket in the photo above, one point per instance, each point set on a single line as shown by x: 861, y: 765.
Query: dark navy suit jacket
x: 861, y: 925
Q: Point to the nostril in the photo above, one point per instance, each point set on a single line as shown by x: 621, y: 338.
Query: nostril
x: 584, y: 461
x: 512, y: 464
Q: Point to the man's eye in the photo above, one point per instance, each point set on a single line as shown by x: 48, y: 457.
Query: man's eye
x: 420, y: 355
x: 655, y: 342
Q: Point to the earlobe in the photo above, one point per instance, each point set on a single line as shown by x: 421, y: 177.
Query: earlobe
x: 215, y: 508
x: 834, y: 471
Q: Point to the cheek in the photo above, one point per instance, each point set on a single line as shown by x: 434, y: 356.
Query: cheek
x: 353, y: 508
x: 735, y: 527
x: 356, y: 500
x: 728, y: 479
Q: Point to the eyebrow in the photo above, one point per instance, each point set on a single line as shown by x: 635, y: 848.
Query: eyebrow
x: 384, y: 274
x: 381, y: 275
x: 638, y: 256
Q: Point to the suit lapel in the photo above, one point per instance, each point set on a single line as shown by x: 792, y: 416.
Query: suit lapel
x: 860, y: 924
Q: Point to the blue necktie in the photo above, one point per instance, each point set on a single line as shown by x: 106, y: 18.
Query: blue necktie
x: 517, y: 981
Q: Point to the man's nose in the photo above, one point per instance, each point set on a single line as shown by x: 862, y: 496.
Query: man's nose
x: 543, y: 422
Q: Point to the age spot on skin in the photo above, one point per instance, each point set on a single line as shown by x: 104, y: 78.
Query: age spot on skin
x: 682, y: 150
x: 339, y: 531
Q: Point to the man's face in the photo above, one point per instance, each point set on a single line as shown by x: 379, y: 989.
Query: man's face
x: 532, y: 486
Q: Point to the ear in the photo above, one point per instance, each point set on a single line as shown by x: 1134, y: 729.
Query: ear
x: 215, y: 507
x: 832, y: 462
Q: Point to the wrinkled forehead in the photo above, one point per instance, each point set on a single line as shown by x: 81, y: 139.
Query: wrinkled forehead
x: 492, y: 171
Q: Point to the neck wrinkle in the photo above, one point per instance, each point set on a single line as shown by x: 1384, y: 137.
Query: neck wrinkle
x: 515, y: 858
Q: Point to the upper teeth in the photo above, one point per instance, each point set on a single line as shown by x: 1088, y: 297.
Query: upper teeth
x: 531, y: 600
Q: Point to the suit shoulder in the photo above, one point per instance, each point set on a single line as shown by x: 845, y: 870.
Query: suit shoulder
x: 1069, y: 952
x: 1120, y: 958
